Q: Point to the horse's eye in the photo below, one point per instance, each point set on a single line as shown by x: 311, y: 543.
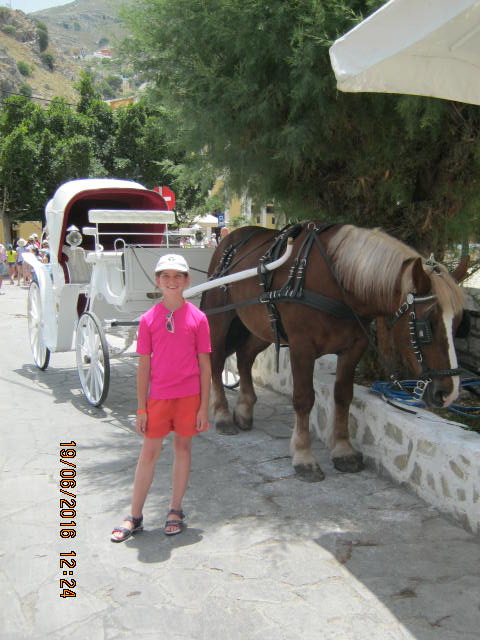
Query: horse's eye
x: 463, y: 328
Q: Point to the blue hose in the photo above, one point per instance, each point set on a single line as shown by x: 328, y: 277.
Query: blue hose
x: 390, y: 391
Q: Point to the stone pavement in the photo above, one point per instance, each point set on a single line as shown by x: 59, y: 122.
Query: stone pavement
x: 264, y: 557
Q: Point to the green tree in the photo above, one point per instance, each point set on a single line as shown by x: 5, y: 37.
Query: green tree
x: 14, y: 111
x: 102, y: 126
x: 39, y: 150
x: 24, y: 68
x: 253, y: 84
x: 26, y: 90
x: 72, y: 158
x: 18, y: 174
x: 48, y: 60
x: 127, y: 151
x: 87, y: 90
x: 42, y: 33
x: 63, y: 122
x: 42, y: 148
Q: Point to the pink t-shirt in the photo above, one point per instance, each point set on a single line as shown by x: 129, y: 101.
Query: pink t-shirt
x: 174, y: 371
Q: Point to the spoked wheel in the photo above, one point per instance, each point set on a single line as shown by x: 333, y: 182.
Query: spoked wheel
x: 93, y: 360
x: 41, y: 354
x: 230, y: 377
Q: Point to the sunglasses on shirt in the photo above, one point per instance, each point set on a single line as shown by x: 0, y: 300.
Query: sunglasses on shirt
x: 169, y: 324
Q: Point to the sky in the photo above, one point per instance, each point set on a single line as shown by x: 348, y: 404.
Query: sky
x: 33, y: 5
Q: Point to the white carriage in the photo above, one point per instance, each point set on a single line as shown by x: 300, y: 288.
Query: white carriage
x: 105, y: 238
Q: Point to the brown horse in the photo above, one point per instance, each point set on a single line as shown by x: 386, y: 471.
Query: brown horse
x: 322, y: 300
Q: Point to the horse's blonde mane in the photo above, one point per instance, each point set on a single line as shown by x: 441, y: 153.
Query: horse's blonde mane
x: 368, y: 263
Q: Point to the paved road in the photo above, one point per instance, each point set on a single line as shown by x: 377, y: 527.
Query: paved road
x: 265, y: 556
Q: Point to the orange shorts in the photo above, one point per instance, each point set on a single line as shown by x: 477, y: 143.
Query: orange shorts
x: 175, y: 414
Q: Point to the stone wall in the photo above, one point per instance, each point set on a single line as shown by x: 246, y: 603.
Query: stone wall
x: 435, y: 458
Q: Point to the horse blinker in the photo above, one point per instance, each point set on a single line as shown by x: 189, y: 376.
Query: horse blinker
x: 423, y: 331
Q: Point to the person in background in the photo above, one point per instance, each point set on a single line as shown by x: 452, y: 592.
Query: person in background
x: 27, y: 270
x: 3, y: 266
x: 11, y: 260
x: 46, y: 251
x: 223, y: 232
x: 21, y: 248
x: 173, y: 388
x: 34, y: 240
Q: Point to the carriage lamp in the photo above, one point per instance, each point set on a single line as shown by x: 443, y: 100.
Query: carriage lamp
x: 74, y: 237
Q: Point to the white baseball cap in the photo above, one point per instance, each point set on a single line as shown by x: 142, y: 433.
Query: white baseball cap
x: 172, y: 261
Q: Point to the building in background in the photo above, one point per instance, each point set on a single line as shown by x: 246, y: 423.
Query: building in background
x: 242, y: 210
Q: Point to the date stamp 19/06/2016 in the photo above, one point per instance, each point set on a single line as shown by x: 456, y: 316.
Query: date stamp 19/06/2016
x: 68, y: 512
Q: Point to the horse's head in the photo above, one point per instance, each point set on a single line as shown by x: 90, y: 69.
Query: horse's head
x: 430, y: 314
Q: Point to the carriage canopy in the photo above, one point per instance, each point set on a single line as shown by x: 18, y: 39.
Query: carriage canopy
x: 72, y: 202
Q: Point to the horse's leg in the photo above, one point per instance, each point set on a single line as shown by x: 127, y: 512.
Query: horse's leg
x: 243, y: 412
x: 344, y: 456
x: 305, y: 465
x: 221, y: 414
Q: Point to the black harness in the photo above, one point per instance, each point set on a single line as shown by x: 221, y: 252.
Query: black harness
x: 293, y: 289
x: 420, y: 331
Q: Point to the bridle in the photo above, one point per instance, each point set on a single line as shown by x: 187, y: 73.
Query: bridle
x: 420, y: 331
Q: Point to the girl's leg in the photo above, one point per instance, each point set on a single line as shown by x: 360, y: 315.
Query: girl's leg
x: 149, y: 454
x: 151, y: 450
x: 181, y: 472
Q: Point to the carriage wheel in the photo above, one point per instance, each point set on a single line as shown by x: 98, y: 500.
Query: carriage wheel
x: 41, y: 354
x: 230, y: 377
x: 93, y: 360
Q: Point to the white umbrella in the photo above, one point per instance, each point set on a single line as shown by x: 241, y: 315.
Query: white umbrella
x: 420, y: 47
x: 207, y: 221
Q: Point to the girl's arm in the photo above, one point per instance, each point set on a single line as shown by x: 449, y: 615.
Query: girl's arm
x: 143, y: 382
x: 205, y: 379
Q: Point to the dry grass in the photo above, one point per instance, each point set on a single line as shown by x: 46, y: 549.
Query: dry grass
x: 45, y: 84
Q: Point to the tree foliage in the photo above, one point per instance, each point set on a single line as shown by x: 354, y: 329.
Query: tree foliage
x: 42, y: 148
x: 42, y: 33
x: 253, y: 84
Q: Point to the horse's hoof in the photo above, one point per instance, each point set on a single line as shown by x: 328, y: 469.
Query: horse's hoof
x: 349, y: 464
x: 309, y: 472
x: 226, y: 428
x: 245, y: 424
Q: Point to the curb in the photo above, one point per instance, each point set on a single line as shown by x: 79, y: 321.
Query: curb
x: 436, y: 459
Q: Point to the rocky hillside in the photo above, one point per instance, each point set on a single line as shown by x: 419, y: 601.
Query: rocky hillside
x: 83, y: 26
x: 27, y: 65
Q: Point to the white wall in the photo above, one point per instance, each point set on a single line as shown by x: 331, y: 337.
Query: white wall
x: 435, y: 458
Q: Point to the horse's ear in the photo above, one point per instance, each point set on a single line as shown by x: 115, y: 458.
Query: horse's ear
x: 460, y: 272
x: 421, y: 281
